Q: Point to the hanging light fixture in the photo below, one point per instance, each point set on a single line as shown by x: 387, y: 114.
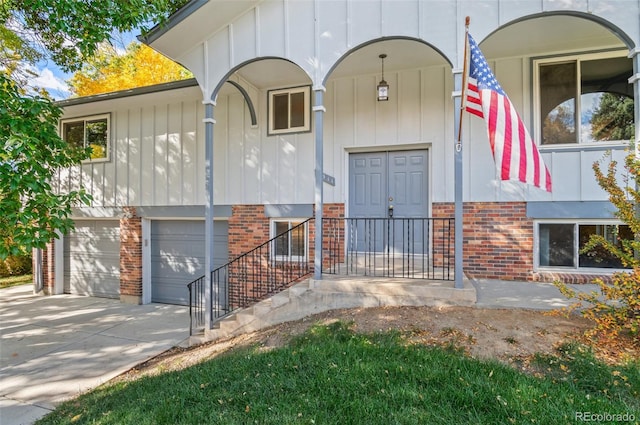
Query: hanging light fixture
x: 383, y: 87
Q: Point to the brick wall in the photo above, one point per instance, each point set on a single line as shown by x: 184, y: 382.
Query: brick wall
x: 259, y: 275
x: 48, y: 269
x: 498, y: 239
x: 130, y: 257
x: 498, y: 243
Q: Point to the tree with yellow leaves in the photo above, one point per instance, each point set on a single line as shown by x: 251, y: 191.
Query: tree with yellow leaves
x: 110, y: 71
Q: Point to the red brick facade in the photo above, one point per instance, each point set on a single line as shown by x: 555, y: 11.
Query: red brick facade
x: 498, y: 243
x: 48, y: 269
x: 131, y: 257
x: 249, y: 227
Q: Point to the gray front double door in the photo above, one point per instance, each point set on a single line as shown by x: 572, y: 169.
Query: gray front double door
x: 383, y: 185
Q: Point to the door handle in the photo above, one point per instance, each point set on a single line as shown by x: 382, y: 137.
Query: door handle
x: 390, y: 211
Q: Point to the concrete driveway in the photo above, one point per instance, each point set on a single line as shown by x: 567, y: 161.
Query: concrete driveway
x: 53, y: 348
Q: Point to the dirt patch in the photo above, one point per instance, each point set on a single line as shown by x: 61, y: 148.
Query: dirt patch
x: 508, y: 335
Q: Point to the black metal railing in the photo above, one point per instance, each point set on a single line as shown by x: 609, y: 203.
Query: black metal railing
x: 196, y: 304
x: 418, y: 248
x: 254, y: 275
x: 415, y: 248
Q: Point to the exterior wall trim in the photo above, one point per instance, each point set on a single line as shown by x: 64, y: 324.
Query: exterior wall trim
x: 571, y: 210
x: 288, y: 210
x: 189, y: 211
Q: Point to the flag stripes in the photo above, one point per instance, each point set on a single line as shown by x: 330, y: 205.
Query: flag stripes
x: 513, y: 149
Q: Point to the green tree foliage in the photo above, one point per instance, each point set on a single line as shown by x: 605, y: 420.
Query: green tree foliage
x: 30, y: 153
x: 69, y: 31
x: 615, y: 309
x: 66, y: 32
x: 558, y: 126
x: 613, y: 120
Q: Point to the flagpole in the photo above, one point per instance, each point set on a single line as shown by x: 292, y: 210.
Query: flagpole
x: 458, y: 175
x: 465, y: 61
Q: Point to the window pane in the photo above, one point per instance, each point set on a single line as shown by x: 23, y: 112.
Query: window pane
x: 558, y: 88
x: 73, y: 133
x: 598, y: 256
x: 281, y: 111
x: 556, y: 245
x: 297, y: 240
x: 97, y: 138
x: 281, y: 243
x: 607, y: 99
x: 297, y: 109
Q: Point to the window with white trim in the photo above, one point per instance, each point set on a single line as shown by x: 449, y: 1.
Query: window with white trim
x: 289, y: 110
x: 91, y: 132
x: 584, y: 99
x: 292, y: 243
x: 561, y: 244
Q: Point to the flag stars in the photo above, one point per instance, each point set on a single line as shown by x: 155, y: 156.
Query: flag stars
x: 480, y: 70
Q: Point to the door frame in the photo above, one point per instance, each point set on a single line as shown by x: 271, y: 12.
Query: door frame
x: 428, y: 146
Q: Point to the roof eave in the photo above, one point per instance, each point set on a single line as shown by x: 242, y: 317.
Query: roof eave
x: 173, y: 20
x: 173, y: 85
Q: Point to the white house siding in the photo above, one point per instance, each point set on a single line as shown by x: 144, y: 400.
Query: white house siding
x: 416, y: 113
x: 156, y: 155
x: 315, y: 35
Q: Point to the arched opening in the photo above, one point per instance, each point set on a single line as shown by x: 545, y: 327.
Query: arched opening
x: 580, y: 76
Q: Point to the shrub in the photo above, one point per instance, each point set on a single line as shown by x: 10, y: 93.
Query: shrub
x: 615, y: 309
x: 16, y: 265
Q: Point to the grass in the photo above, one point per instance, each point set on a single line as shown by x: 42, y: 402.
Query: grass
x: 331, y: 375
x: 6, y: 282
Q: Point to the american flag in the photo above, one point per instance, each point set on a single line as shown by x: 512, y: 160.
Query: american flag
x: 514, y: 151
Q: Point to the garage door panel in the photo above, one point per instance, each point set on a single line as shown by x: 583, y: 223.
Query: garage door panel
x: 92, y: 259
x: 178, y: 257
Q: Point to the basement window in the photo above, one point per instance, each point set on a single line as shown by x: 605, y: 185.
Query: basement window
x: 91, y: 132
x: 561, y: 245
x: 290, y: 110
x: 291, y: 240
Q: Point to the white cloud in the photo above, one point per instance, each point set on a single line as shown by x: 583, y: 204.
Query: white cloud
x: 52, y: 80
x: 47, y: 80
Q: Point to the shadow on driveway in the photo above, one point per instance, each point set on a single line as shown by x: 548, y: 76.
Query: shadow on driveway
x: 53, y: 348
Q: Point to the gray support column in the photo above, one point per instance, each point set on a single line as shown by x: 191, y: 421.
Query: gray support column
x: 458, y: 216
x: 318, y: 112
x: 209, y: 291
x: 635, y: 80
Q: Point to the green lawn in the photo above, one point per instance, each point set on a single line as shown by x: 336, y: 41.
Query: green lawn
x: 330, y: 375
x: 6, y: 282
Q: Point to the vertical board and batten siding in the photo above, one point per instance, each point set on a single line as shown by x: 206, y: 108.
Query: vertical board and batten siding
x: 157, y: 155
x: 316, y: 34
x: 417, y: 112
x: 156, y: 152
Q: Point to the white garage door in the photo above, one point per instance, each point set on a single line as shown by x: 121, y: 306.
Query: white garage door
x: 92, y: 259
x: 177, y: 256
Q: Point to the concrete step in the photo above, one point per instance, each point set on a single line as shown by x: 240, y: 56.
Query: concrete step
x: 299, y: 289
x: 311, y: 297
